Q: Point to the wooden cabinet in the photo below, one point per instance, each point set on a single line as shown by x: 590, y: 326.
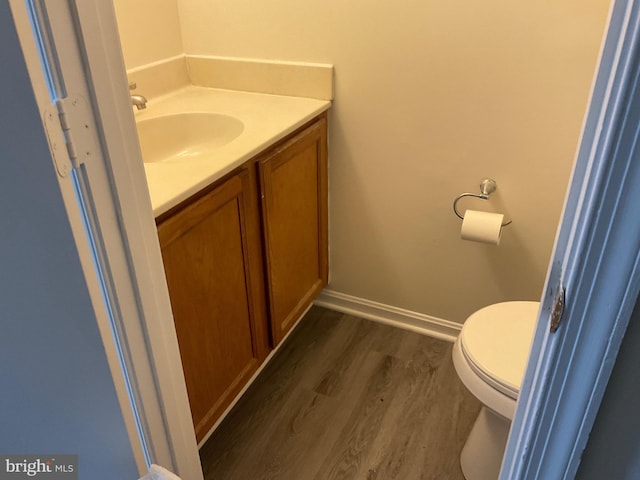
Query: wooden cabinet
x: 293, y: 182
x: 212, y: 260
x: 236, y: 248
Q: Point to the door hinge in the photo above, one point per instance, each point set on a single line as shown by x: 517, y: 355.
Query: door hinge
x: 68, y: 125
x: 57, y: 141
x: 558, y: 309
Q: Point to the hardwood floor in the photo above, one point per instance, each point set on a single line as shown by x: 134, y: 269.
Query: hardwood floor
x: 347, y: 398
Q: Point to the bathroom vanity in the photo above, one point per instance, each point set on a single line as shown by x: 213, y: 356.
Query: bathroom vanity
x: 244, y: 254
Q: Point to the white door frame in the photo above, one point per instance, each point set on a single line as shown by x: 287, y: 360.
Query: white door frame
x: 596, y: 259
x: 125, y: 276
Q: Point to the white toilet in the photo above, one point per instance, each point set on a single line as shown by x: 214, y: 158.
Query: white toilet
x: 490, y: 356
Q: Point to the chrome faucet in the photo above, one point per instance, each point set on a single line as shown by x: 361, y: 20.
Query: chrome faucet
x: 139, y: 101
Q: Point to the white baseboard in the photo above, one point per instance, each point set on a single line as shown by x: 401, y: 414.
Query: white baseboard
x: 398, y: 317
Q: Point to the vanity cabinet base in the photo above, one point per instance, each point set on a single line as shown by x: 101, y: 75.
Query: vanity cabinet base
x: 212, y: 262
x: 243, y: 260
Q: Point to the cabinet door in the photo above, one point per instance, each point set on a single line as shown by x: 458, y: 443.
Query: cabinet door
x: 214, y: 274
x: 294, y: 211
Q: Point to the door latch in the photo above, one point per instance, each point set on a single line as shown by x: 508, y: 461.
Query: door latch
x: 558, y: 310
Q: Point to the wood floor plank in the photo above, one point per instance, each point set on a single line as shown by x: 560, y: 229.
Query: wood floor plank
x: 254, y: 413
x: 346, y: 398
x: 430, y: 418
x: 345, y: 460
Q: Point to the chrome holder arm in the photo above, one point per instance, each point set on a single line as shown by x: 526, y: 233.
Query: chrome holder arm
x: 487, y: 187
x: 467, y: 194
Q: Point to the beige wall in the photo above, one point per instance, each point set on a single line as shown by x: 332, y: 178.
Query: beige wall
x: 149, y: 30
x: 430, y: 98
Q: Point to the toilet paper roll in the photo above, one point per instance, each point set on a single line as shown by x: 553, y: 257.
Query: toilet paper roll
x: 482, y: 227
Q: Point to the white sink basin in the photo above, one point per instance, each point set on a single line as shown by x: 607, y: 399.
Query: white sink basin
x: 184, y: 136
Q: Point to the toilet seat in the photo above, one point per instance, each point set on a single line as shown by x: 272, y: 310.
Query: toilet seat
x: 495, y: 342
x: 490, y: 357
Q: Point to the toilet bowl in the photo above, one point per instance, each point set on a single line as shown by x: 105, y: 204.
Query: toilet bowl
x: 490, y: 356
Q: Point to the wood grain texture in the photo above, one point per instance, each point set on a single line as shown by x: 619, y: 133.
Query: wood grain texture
x: 217, y: 304
x: 293, y: 185
x: 347, y: 398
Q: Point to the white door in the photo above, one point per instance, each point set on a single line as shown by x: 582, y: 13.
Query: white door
x: 59, y: 391
x: 596, y: 260
x: 75, y: 66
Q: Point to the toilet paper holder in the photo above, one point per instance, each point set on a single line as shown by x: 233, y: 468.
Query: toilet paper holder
x: 487, y: 187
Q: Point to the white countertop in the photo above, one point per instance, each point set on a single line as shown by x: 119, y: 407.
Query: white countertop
x: 266, y: 119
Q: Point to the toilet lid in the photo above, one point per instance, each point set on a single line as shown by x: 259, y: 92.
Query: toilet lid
x: 496, y: 341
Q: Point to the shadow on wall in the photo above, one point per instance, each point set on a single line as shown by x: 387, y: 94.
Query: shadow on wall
x: 510, y: 262
x: 511, y: 268
x: 355, y: 249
